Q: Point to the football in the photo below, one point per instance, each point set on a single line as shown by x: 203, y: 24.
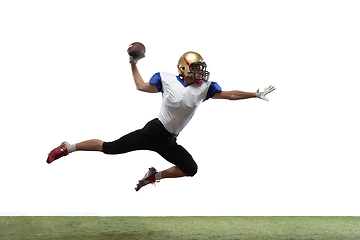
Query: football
x: 136, y: 50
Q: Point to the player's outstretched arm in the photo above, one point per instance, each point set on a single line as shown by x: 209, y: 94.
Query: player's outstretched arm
x: 139, y: 82
x: 237, y: 95
x: 233, y: 95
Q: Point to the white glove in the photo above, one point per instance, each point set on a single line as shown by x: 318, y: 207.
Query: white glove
x: 263, y: 94
x: 134, y: 60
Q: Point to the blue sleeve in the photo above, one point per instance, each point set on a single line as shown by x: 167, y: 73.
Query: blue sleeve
x: 214, y: 88
x: 156, y: 80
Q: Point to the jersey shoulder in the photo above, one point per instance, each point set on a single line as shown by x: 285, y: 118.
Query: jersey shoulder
x: 165, y: 75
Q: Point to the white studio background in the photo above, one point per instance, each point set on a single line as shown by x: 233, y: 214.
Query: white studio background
x: 65, y: 76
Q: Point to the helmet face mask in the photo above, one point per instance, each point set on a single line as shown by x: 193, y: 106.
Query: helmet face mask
x: 198, y: 71
x: 192, y: 65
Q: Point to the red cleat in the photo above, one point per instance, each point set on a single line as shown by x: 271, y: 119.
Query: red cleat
x: 148, y: 178
x: 58, y: 152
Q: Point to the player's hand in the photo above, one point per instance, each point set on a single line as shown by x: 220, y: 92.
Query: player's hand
x: 263, y: 94
x: 134, y: 60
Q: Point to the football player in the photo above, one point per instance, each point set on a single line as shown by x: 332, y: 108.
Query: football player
x: 181, y: 95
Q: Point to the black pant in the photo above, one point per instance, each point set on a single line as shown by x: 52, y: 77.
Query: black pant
x: 154, y: 137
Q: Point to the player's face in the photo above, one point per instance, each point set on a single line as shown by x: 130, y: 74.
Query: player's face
x: 199, y: 71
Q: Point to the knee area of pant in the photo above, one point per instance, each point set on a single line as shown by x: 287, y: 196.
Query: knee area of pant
x: 192, y: 171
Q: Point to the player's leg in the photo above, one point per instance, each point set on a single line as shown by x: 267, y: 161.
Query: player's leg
x: 177, y: 155
x: 172, y: 172
x: 127, y: 143
x: 65, y: 148
x: 181, y: 158
x: 90, y: 145
x: 136, y: 140
x: 152, y: 176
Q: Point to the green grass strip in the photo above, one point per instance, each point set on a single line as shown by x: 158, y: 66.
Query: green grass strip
x: 179, y: 228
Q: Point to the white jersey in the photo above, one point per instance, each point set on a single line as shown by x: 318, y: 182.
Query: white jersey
x: 180, y: 101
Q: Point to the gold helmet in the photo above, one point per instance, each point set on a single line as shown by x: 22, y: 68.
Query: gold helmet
x: 193, y: 66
